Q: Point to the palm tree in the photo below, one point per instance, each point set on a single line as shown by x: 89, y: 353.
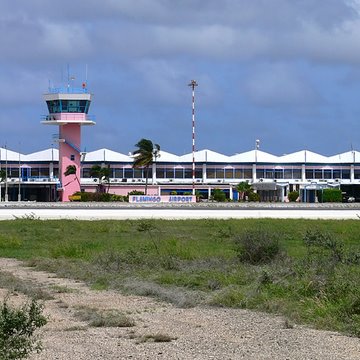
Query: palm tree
x: 144, y: 156
x: 244, y: 188
x: 103, y: 173
x: 71, y: 170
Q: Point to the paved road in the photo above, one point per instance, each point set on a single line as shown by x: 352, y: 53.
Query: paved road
x: 180, y: 213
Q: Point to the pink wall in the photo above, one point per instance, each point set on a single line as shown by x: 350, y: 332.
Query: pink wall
x: 70, y: 184
x: 124, y: 189
x: 71, y: 117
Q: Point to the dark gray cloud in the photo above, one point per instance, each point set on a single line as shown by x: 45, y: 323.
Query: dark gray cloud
x: 259, y: 63
x: 279, y: 84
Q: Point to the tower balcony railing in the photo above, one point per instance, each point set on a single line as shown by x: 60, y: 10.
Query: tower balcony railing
x: 68, y: 90
x: 68, y: 117
x: 30, y: 179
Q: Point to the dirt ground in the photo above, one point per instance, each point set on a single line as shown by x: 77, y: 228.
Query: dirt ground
x: 162, y: 331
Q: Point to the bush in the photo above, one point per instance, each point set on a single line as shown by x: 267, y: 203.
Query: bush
x: 293, y: 196
x: 75, y: 197
x: 323, y: 245
x: 120, y: 198
x: 136, y: 192
x: 219, y: 195
x: 253, y: 196
x: 330, y: 195
x: 17, y: 327
x: 257, y: 246
x: 96, y: 196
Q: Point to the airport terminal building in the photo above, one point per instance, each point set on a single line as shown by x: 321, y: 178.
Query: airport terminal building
x: 36, y: 176
x: 55, y: 174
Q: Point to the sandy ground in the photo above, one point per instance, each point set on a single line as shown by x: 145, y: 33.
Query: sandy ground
x: 196, y: 333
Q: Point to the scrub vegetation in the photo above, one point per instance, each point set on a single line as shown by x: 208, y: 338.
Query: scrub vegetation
x: 306, y: 270
x: 109, y: 318
x: 17, y: 330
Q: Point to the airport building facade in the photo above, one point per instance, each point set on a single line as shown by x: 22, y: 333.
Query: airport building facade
x: 55, y: 174
x: 37, y: 176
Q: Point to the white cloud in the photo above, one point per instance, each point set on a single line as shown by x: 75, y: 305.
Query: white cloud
x: 317, y: 31
x: 66, y: 40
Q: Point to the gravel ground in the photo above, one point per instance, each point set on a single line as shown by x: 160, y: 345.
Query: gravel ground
x: 196, y: 333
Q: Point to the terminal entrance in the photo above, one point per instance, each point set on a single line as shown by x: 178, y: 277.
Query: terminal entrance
x: 43, y: 193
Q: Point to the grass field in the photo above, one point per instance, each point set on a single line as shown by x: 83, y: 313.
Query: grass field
x: 306, y: 270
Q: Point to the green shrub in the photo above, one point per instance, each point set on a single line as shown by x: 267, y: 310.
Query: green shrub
x: 75, y: 197
x: 17, y: 327
x: 120, y: 198
x: 293, y: 196
x: 136, y: 192
x: 97, y: 196
x: 257, y: 246
x: 219, y: 195
x: 330, y: 195
x: 323, y: 245
x: 253, y: 196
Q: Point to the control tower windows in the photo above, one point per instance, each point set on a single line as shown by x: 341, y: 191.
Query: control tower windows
x: 53, y: 106
x: 68, y: 106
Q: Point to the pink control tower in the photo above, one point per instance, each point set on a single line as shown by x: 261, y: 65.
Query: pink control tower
x: 68, y: 108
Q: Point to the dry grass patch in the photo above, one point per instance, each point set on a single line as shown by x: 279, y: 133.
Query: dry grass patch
x: 63, y: 289
x: 103, y: 318
x: 14, y: 284
x: 159, y: 337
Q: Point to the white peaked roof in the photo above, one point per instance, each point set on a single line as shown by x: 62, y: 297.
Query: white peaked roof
x: 166, y: 157
x: 252, y: 156
x: 346, y: 157
x: 205, y: 156
x: 113, y: 156
x: 6, y: 154
x: 49, y: 155
x: 103, y: 155
x: 303, y: 156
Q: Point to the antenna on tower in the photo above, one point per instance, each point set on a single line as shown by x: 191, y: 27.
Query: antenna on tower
x: 84, y: 84
x: 62, y: 76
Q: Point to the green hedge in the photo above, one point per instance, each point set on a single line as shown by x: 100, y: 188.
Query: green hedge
x: 329, y: 195
x: 99, y: 197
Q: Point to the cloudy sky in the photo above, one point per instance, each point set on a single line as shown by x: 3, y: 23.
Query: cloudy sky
x: 286, y: 72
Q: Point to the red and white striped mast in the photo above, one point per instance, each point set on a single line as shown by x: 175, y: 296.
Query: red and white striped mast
x: 193, y: 83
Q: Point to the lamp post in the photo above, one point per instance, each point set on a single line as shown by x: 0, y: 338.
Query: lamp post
x: 254, y: 174
x: 6, y: 176
x: 19, y: 193
x: 156, y: 154
x: 192, y: 84
x: 1, y: 179
x: 257, y: 145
